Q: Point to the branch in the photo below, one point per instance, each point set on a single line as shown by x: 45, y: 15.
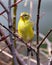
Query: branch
x: 10, y: 28
x: 4, y: 37
x: 7, y: 54
x: 19, y: 59
x: 15, y: 4
x: 38, y: 46
x: 8, y: 43
x: 1, y: 50
x: 37, y: 24
x: 37, y: 31
x: 14, y: 22
x: 2, y: 12
x: 6, y: 9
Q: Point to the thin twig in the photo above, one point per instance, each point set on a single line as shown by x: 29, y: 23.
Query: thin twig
x: 16, y: 3
x: 7, y: 54
x: 3, y: 49
x: 5, y: 8
x: 37, y: 24
x: 13, y: 5
x: 2, y: 12
x: 37, y: 31
x: 10, y: 28
x: 14, y: 22
x: 4, y: 37
x: 38, y: 46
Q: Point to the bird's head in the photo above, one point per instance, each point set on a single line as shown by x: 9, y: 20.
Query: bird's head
x: 25, y: 16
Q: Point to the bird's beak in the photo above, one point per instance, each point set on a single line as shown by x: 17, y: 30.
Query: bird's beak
x: 21, y: 16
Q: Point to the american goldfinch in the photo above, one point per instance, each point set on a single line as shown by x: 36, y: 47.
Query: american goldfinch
x: 25, y: 27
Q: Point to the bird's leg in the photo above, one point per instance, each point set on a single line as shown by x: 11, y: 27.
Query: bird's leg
x: 31, y: 52
x: 28, y: 51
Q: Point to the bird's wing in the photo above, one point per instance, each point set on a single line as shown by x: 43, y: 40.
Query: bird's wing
x: 32, y: 23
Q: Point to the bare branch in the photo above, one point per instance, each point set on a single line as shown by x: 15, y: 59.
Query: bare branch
x: 10, y: 28
x: 3, y: 38
x: 38, y: 46
x: 3, y: 49
x: 8, y: 43
x: 2, y: 12
x: 37, y: 24
x: 21, y: 61
x: 7, y: 54
x: 6, y: 9
x: 15, y: 4
x: 37, y: 31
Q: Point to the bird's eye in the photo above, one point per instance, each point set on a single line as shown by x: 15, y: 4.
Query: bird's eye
x: 24, y: 15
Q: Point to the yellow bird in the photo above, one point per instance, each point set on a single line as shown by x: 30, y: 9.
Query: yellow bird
x: 25, y: 27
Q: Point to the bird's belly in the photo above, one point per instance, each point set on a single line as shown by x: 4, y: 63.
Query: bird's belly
x: 28, y: 36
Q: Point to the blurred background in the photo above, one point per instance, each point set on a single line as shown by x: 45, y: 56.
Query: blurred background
x: 46, y: 20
